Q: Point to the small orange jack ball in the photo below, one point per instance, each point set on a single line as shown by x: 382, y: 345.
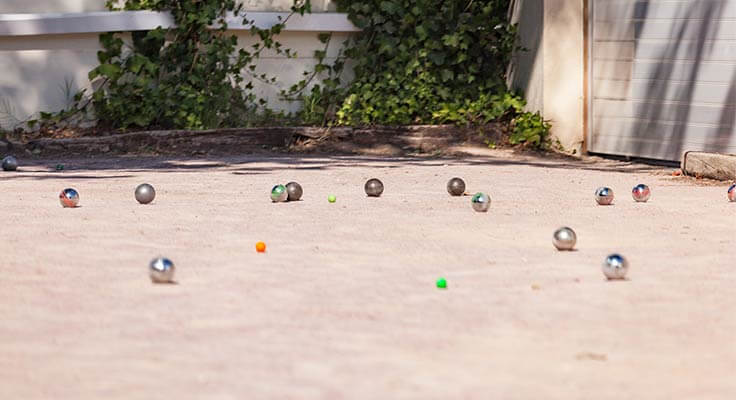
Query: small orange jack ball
x: 261, y: 247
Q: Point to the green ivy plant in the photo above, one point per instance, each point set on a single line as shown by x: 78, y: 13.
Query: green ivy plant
x: 319, y: 101
x: 421, y: 62
x: 415, y: 58
x: 530, y: 129
x: 415, y: 62
x: 189, y: 76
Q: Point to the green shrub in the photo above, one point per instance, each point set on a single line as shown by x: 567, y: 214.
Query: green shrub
x: 530, y: 129
x: 417, y: 61
x: 189, y: 76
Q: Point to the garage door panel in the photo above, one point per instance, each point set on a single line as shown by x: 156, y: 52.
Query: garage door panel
x: 666, y: 112
x: 608, y: 10
x: 716, y: 50
x: 621, y: 51
x: 642, y: 146
x: 707, y: 72
x: 710, y: 72
x: 612, y: 69
x: 663, y: 77
x: 658, y: 30
x: 686, y: 50
x: 661, y: 130
x: 692, y: 92
x: 659, y: 139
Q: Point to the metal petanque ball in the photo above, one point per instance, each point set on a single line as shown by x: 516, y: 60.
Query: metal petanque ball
x: 732, y: 193
x: 161, y: 270
x: 373, y: 187
x: 615, y: 267
x: 69, y: 198
x: 641, y: 193
x: 10, y: 163
x: 279, y: 194
x: 481, y: 202
x: 145, y: 193
x: 294, y: 191
x: 564, y: 239
x: 604, y: 196
x: 456, y: 187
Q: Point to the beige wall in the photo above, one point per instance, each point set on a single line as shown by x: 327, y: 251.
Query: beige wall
x: 50, y: 6
x: 290, y: 71
x: 41, y: 72
x: 562, y: 40
x: 61, y: 6
x: 551, y: 72
x: 527, y: 66
x: 38, y: 69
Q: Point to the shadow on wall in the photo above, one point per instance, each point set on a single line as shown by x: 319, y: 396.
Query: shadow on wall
x: 50, y: 6
x: 525, y: 71
x: 42, y: 73
x: 682, y: 84
x: 124, y: 167
x: 69, y: 6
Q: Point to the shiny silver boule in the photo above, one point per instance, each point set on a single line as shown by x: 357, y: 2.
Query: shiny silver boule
x: 641, y: 193
x: 604, y: 196
x: 294, y: 191
x: 615, y: 267
x: 481, y: 202
x: 732, y: 193
x: 69, y: 198
x: 10, y: 163
x: 456, y: 187
x: 145, y: 193
x: 161, y: 270
x: 373, y: 187
x: 279, y: 194
x: 564, y: 239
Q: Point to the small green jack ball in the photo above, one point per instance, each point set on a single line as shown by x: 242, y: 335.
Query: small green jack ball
x: 331, y: 198
x: 441, y: 283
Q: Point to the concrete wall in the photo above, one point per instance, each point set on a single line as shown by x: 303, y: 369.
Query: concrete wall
x: 550, y: 72
x: 70, y: 6
x: 42, y: 72
x: 526, y: 70
x: 50, y: 6
x: 36, y: 71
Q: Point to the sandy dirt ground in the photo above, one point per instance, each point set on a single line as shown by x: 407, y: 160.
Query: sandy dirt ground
x: 343, y: 305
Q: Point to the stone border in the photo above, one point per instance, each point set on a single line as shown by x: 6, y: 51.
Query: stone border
x: 107, y: 21
x: 378, y: 140
x: 709, y: 165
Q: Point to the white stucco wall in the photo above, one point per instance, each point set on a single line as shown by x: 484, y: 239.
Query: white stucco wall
x: 50, y: 6
x: 42, y: 71
x: 70, y: 6
x: 550, y: 71
x: 36, y: 68
x: 39, y: 70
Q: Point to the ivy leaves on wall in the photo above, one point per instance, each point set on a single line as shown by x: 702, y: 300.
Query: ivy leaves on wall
x: 415, y: 57
x: 190, y: 76
x: 415, y: 62
x: 422, y: 62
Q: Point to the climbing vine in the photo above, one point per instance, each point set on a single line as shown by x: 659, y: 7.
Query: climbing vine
x: 414, y: 62
x: 191, y: 75
x: 422, y: 62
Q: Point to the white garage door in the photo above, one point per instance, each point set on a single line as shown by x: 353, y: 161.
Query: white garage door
x: 663, y: 77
